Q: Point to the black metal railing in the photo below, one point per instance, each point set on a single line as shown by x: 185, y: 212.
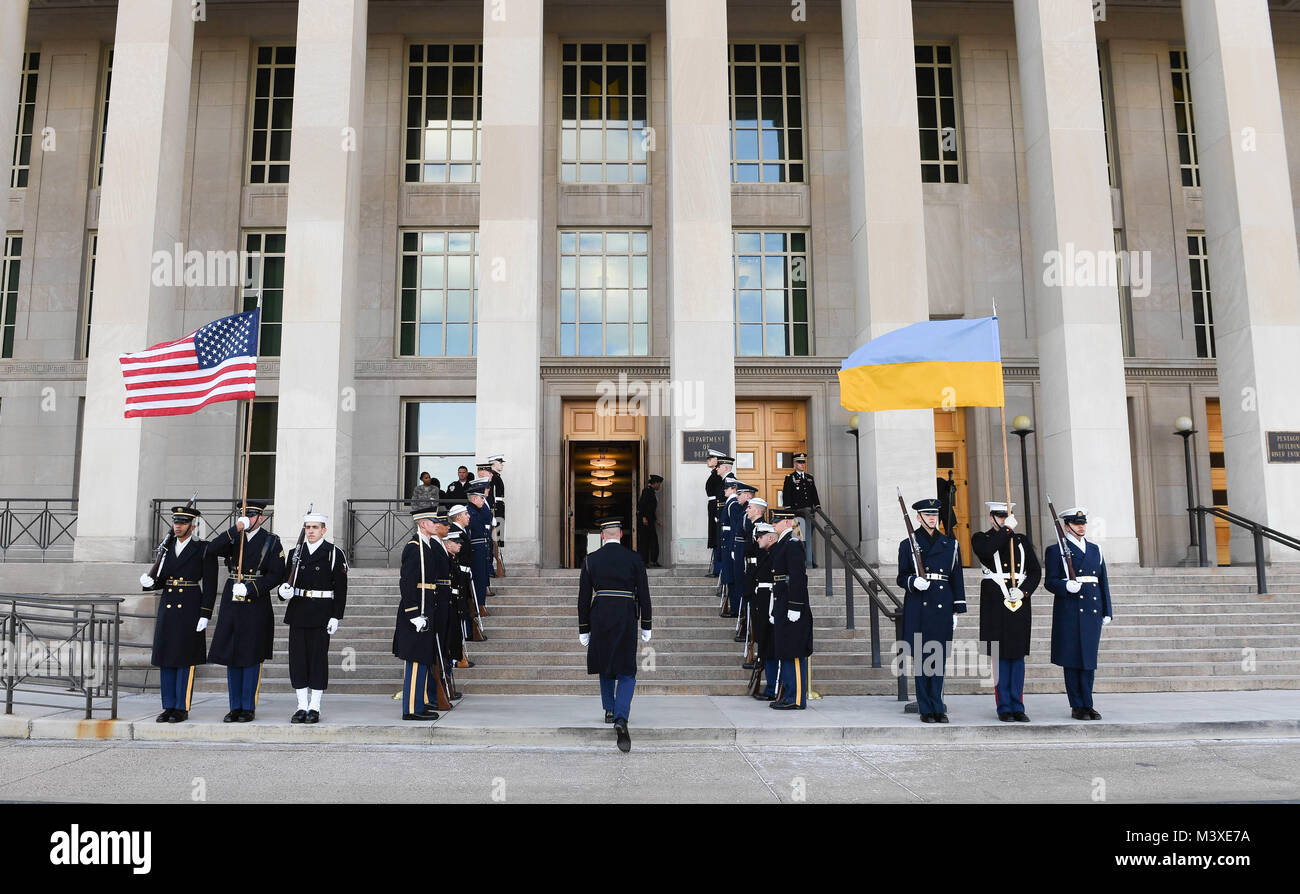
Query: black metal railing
x: 218, y: 514
x: 37, y: 530
x: 1257, y: 531
x: 881, y: 597
x: 378, y: 528
x: 60, y: 644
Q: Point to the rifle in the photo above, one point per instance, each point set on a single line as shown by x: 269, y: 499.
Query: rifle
x: 446, y: 683
x: 165, y: 545
x: 496, y: 555
x: 297, y: 551
x: 1066, y: 556
x: 911, y: 537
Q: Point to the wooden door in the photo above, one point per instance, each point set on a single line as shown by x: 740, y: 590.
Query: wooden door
x: 950, y: 456
x: 768, y: 435
x: 1218, y: 478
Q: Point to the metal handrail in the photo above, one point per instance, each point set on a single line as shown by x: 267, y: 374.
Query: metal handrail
x: 93, y: 642
x: 42, y: 525
x: 1258, y: 532
x: 382, y: 525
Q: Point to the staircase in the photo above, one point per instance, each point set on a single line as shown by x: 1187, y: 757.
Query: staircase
x: 1175, y: 629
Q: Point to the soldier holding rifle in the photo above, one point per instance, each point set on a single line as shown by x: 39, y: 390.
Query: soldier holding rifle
x: 1076, y: 575
x: 317, y: 592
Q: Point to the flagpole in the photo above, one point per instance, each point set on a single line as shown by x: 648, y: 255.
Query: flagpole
x: 248, y: 449
x: 1006, y: 463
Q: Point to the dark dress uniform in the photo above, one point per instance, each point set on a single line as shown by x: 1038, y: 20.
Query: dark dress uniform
x: 1001, y: 628
x: 480, y: 541
x: 1077, y: 617
x: 425, y: 584
x: 792, y: 641
x: 189, y: 589
x: 928, y: 614
x: 320, y: 593
x: 455, y: 492
x: 647, y: 523
x: 713, y: 490
x: 760, y: 615
x: 613, y: 596
x: 735, y: 555
x: 245, y: 632
x: 460, y: 620
x: 724, y: 552
x: 799, y: 492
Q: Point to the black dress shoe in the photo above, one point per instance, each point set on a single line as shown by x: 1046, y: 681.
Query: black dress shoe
x: 738, y: 638
x: 927, y: 718
x: 1007, y: 718
x: 750, y: 665
x: 429, y: 709
x: 165, y: 716
x: 764, y: 697
x: 312, y: 717
x: 1080, y: 714
x: 231, y: 716
x: 1092, y: 715
x: 941, y: 717
x: 609, y: 716
x: 178, y: 716
x: 299, y: 716
x: 1021, y: 717
x: 245, y: 716
x: 786, y: 706
x: 457, y: 696
x: 624, y: 740
x: 433, y: 716
x: 730, y: 615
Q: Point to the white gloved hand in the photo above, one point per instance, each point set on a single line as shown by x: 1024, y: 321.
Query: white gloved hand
x: 1011, y: 522
x: 1015, y: 594
x: 792, y: 615
x: 495, y: 522
x: 920, y: 584
x: 203, y: 625
x: 1073, y: 586
x: 1105, y: 621
x: 332, y: 627
x: 240, y: 590
x: 242, y: 523
x: 285, y: 591
x: 954, y: 622
x: 146, y: 581
x: 584, y: 638
x: 419, y: 624
x: 645, y: 636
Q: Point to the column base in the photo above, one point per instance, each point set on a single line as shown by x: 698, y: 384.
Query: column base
x: 107, y: 549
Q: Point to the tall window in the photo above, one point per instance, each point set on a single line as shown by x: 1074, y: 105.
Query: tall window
x: 264, y: 274
x: 26, y: 120
x: 272, y: 124
x: 9, y: 269
x: 92, y: 250
x: 1107, y: 118
x: 103, y: 117
x: 261, y: 454
x: 439, y: 294
x: 1122, y: 274
x: 766, y: 113
x: 936, y: 108
x: 1198, y: 259
x: 604, y: 293
x: 444, y: 108
x: 1188, y: 159
x: 771, y: 293
x: 604, y: 113
x: 437, y: 436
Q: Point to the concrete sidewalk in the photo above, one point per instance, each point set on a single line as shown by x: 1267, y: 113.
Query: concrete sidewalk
x: 562, y: 721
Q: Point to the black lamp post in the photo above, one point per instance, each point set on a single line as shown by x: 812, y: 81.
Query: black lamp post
x: 857, y: 466
x: 1022, y: 427
x: 1183, y: 427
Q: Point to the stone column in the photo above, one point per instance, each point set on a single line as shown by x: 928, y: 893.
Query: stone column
x: 508, y: 413
x: 139, y: 213
x: 702, y: 323
x: 1083, y: 434
x: 13, y: 38
x: 1254, y: 267
x: 322, y: 249
x: 887, y: 231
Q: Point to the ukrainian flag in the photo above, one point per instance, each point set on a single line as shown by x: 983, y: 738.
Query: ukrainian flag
x: 938, y: 363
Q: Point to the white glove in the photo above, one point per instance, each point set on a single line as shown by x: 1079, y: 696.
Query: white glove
x: 286, y: 591
x: 420, y: 624
x: 770, y: 619
x: 954, y: 622
x: 1105, y: 621
x: 239, y: 590
x: 1015, y: 594
x: 792, y: 615
x: 332, y: 627
x: 920, y: 584
x: 146, y: 581
x: 242, y: 523
x: 495, y: 522
x: 584, y: 638
x: 1011, y: 522
x: 1073, y: 586
x: 645, y: 636
x: 203, y: 625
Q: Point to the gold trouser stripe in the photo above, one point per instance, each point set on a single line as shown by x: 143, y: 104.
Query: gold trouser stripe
x: 798, y: 681
x: 410, y: 686
x: 258, y: 691
x: 189, y: 688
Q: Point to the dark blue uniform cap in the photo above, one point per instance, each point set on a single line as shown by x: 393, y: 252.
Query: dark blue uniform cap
x: 930, y: 505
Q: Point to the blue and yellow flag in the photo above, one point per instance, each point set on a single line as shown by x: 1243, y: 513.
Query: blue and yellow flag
x: 937, y: 363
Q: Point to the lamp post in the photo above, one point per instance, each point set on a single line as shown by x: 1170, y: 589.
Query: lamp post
x: 1022, y: 426
x: 857, y: 467
x: 1183, y: 428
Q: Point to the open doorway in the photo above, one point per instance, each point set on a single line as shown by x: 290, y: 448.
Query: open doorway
x: 604, y: 479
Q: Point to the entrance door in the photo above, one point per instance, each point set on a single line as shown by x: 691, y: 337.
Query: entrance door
x: 768, y: 435
x: 1218, y: 478
x: 604, y: 458
x: 950, y: 456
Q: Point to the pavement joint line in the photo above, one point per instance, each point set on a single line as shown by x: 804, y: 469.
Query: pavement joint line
x: 770, y: 788
x: 883, y: 772
x: 59, y: 766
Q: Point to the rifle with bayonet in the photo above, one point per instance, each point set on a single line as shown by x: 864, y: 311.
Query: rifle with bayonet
x: 1066, y: 555
x: 292, y: 580
x: 164, y: 546
x: 911, y: 537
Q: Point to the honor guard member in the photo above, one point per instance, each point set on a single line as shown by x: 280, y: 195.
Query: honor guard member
x: 647, y: 522
x: 480, y: 534
x: 935, y: 595
x: 792, y: 621
x: 496, y: 462
x: 413, y: 637
x: 613, y: 594
x: 485, y: 476
x: 316, y: 600
x: 458, y: 515
x: 1005, y: 610
x: 461, y: 617
x: 761, y: 611
x: 245, y: 635
x: 722, y: 470
x: 1081, y: 608
x: 713, y: 490
x: 736, y: 521
x: 799, y: 492
x: 445, y: 617
x: 188, y: 588
x: 724, y: 544
x: 755, y: 512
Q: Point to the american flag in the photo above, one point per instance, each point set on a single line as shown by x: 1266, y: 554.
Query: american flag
x: 215, y: 363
